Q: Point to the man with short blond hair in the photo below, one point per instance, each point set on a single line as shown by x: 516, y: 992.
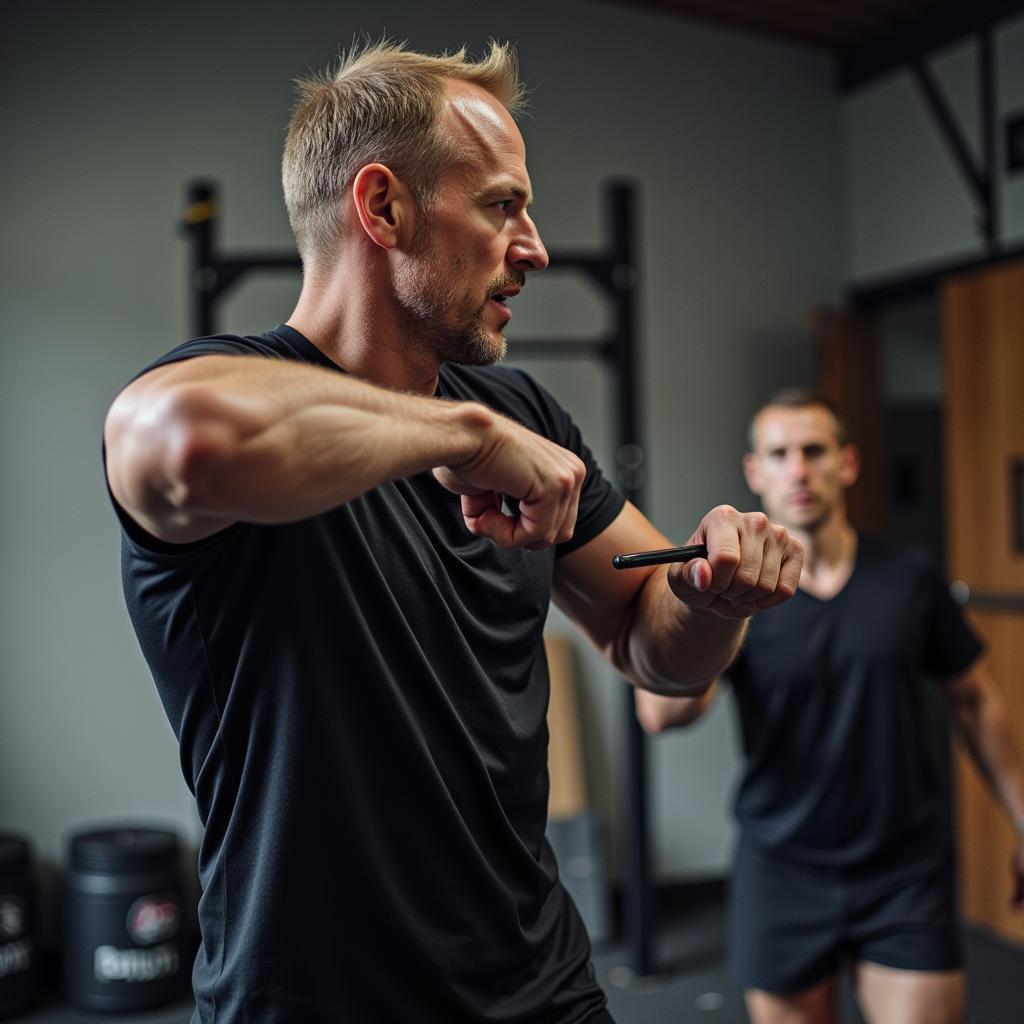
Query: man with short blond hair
x: 846, y: 857
x: 340, y: 541
x: 382, y: 103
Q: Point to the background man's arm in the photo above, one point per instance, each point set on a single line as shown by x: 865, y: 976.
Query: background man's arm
x: 197, y: 445
x: 981, y: 719
x: 673, y: 629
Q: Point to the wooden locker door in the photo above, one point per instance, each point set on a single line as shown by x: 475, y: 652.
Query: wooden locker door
x: 983, y: 339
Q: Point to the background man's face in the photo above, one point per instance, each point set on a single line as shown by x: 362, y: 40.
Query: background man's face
x: 798, y: 468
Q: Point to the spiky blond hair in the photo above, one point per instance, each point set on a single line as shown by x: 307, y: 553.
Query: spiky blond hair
x: 380, y: 104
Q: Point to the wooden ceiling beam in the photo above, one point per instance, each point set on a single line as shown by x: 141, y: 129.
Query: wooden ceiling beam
x: 740, y: 16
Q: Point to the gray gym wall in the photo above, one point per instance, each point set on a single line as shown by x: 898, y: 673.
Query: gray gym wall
x: 905, y: 203
x: 736, y: 143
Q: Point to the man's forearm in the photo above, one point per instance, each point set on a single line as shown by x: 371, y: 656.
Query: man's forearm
x: 674, y: 649
x: 266, y: 441
x: 310, y: 459
x: 988, y: 734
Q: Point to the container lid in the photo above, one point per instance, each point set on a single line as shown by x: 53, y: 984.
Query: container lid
x: 15, y: 853
x: 124, y: 849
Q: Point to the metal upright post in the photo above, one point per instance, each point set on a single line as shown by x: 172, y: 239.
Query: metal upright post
x: 987, y: 117
x: 214, y: 273
x: 631, y: 477
x: 200, y: 221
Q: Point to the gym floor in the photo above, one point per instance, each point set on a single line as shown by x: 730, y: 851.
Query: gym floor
x: 692, y: 988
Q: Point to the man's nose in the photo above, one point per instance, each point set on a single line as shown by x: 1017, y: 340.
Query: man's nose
x: 527, y: 252
x: 797, y: 465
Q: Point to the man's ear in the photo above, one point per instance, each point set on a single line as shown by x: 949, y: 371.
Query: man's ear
x: 384, y: 206
x: 752, y: 473
x: 849, y: 467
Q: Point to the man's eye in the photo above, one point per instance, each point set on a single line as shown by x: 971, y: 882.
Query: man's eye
x: 504, y: 204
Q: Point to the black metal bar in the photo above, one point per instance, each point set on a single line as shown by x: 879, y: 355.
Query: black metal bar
x: 200, y: 222
x: 630, y: 457
x: 1011, y: 602
x: 923, y: 279
x: 244, y: 262
x: 951, y: 134
x: 987, y: 116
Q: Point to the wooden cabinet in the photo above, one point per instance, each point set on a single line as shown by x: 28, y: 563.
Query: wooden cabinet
x: 983, y: 340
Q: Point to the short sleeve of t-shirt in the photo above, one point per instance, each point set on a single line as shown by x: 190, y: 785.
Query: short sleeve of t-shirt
x: 600, y: 501
x: 270, y: 345
x: 517, y: 395
x: 950, y: 645
x: 226, y: 345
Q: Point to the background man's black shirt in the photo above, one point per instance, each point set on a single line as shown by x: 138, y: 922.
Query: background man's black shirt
x: 360, y: 702
x: 844, y: 728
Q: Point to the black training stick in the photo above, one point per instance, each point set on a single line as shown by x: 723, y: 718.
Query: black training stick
x: 660, y: 557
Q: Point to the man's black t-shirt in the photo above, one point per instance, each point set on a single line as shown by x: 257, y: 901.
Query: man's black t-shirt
x: 360, y: 703
x: 847, y: 748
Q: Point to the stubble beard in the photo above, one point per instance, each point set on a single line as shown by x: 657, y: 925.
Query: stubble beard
x: 434, y: 315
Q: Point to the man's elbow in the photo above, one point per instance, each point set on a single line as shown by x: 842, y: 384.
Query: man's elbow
x: 168, y: 455
x: 658, y: 714
x: 970, y: 694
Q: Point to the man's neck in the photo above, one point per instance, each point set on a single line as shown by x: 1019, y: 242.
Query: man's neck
x: 354, y: 325
x: 830, y: 553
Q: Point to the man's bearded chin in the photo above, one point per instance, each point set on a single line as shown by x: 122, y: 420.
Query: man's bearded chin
x: 435, y: 316
x: 469, y: 344
x: 462, y: 339
x: 450, y: 334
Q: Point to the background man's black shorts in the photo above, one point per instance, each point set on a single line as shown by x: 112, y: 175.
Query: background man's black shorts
x: 792, y: 925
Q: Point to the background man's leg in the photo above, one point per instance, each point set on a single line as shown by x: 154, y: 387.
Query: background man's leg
x: 815, y: 1005
x: 910, y: 997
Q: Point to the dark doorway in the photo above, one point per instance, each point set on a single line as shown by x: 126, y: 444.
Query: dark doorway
x: 913, y: 391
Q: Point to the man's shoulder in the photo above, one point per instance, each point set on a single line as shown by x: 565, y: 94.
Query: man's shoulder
x: 899, y: 557
x: 281, y: 342
x: 269, y: 344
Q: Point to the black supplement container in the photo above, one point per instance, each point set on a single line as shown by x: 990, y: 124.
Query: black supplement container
x: 19, y: 972
x: 124, y: 920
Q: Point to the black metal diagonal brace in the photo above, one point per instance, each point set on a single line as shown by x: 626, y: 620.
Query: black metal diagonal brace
x: 980, y: 179
x: 952, y: 135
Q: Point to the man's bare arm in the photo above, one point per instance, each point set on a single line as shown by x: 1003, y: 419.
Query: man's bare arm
x: 673, y: 630
x: 981, y: 719
x: 197, y: 445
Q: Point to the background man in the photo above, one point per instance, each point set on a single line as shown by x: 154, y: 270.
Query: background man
x: 846, y: 849
x: 340, y: 540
